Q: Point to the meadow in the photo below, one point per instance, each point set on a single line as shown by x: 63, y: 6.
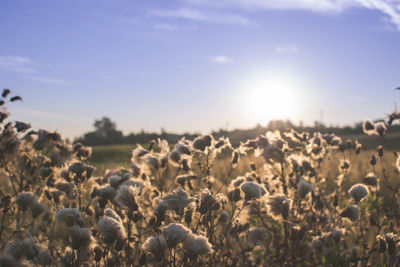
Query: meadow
x: 282, y: 199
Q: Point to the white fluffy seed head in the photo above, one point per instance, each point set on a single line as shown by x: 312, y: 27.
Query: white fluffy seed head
x: 175, y: 233
x: 125, y: 197
x: 256, y: 236
x: 352, y: 212
x: 155, y: 245
x: 196, y: 245
x: 278, y: 204
x: 304, y: 188
x: 380, y: 128
x: 111, y: 229
x: 111, y: 213
x: 358, y: 192
x: 177, y: 200
x: 24, y: 200
x: 252, y: 190
x: 69, y: 216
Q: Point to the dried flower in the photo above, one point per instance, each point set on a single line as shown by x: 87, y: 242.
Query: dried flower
x: 24, y: 200
x: 126, y: 197
x: 175, y: 233
x: 371, y: 179
x: 196, y: 245
x: 256, y: 236
x: 358, y: 192
x: 304, y: 188
x: 380, y: 128
x: 368, y: 127
x: 69, y: 216
x: 279, y: 205
x: 155, y: 246
x: 111, y: 229
x: 252, y: 190
x: 352, y: 212
x: 177, y: 200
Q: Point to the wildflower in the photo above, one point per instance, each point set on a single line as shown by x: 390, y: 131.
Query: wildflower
x: 235, y: 157
x: 138, y: 153
x: 111, y: 229
x: 175, y: 233
x: 234, y: 195
x: 358, y: 147
x: 44, y: 258
x: 22, y: 126
x: 372, y: 161
x: 36, y: 209
x: 237, y: 181
x: 105, y: 192
x: 380, y: 128
x: 279, y: 205
x: 115, y: 180
x: 125, y: 197
x: 304, y: 188
x: 77, y: 168
x: 155, y: 246
x: 391, y: 241
x: 98, y: 253
x: 196, y: 245
x: 152, y: 162
x: 256, y: 236
x: 65, y: 187
x: 80, y: 237
x: 368, y: 127
x: 358, y: 192
x: 176, y: 201
x: 24, y: 200
x: 29, y: 248
x: 175, y: 156
x: 111, y: 213
x: 371, y: 179
x: 352, y: 212
x: 382, y: 243
x: 200, y: 143
x: 183, y: 148
x: 69, y: 216
x: 207, y: 202
x: 344, y: 165
x: 316, y: 243
x: 252, y: 190
x: 223, y: 216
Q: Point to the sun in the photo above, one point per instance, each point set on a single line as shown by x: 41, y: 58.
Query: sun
x: 271, y: 98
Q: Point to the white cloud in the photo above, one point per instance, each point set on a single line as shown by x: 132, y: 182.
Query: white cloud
x: 23, y: 65
x: 16, y: 64
x: 49, y: 80
x: 165, y: 27
x: 198, y: 15
x: 222, y: 59
x: 288, y: 49
x: 391, y: 8
x: 41, y: 114
x: 313, y: 5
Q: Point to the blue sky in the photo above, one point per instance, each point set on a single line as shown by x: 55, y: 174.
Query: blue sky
x: 198, y: 65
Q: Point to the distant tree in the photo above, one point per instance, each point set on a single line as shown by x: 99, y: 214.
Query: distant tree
x: 105, y: 127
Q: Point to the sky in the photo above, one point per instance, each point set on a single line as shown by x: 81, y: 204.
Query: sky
x: 198, y: 65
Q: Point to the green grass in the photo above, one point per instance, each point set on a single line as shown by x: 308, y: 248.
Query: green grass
x: 111, y: 156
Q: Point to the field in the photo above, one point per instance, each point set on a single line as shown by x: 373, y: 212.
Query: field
x: 282, y: 199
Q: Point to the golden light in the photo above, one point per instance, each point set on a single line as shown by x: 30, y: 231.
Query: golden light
x: 271, y: 98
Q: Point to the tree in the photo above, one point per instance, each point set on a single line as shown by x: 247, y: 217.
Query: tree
x: 104, y: 127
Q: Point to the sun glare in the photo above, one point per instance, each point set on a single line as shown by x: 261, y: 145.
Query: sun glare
x: 271, y: 98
